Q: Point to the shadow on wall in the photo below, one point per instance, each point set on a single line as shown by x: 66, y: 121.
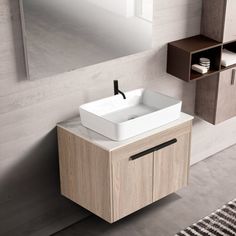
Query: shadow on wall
x: 31, y: 166
x: 167, y: 84
x: 30, y: 199
x: 20, y: 63
x: 30, y: 192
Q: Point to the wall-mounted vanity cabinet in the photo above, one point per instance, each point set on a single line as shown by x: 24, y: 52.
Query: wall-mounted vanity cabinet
x: 216, y: 97
x: 114, y: 179
x: 219, y: 20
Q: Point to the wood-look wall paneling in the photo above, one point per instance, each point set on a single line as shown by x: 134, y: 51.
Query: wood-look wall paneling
x: 206, y: 98
x: 218, y: 20
x: 230, y: 19
x: 213, y: 19
x: 29, y: 111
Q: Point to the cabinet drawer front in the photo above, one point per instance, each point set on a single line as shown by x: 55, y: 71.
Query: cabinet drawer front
x: 132, y: 185
x: 150, y: 142
x: 230, y: 21
x: 171, y: 165
x: 226, y: 101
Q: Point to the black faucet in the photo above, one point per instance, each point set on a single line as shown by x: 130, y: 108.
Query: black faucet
x: 116, y: 89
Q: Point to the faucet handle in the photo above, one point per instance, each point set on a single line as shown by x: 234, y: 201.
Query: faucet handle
x: 116, y: 87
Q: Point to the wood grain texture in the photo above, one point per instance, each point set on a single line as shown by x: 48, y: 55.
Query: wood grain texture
x: 178, y: 211
x: 215, y: 97
x: 151, y: 141
x: 179, y: 68
x: 213, y: 19
x: 206, y: 98
x: 218, y: 20
x: 226, y: 100
x: 132, y: 184
x: 29, y: 111
x: 85, y: 174
x: 111, y: 184
x: 230, y: 22
x: 171, y: 167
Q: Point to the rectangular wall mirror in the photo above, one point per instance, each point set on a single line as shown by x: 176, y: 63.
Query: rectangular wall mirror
x: 64, y: 35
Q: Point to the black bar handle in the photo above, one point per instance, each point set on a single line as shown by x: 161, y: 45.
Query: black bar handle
x: 116, y: 86
x: 166, y: 144
x: 153, y: 149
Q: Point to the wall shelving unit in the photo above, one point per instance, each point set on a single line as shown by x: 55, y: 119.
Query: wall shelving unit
x: 215, y: 90
x: 182, y: 54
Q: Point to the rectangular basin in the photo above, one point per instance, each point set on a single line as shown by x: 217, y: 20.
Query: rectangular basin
x: 120, y: 119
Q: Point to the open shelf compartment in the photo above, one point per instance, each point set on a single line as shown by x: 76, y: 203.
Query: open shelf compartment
x: 213, y: 54
x: 183, y: 53
x: 231, y: 46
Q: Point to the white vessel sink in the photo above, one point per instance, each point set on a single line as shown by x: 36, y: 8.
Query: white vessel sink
x: 120, y: 119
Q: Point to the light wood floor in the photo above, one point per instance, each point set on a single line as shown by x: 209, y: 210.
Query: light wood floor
x: 212, y: 184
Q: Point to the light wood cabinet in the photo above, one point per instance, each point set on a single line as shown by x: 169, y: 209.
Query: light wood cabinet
x: 85, y: 173
x: 132, y: 185
x: 171, y: 166
x: 114, y: 179
x: 216, y: 97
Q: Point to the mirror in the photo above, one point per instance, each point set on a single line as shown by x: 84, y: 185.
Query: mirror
x: 64, y: 35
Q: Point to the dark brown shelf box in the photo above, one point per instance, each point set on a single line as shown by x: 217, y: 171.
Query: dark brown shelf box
x: 196, y: 76
x: 182, y: 54
x: 231, y: 46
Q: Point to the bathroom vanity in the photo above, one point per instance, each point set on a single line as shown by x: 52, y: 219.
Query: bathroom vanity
x: 114, y: 179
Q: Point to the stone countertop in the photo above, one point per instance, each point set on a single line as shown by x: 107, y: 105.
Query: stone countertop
x: 75, y: 126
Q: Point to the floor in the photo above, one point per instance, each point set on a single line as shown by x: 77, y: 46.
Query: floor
x: 212, y: 184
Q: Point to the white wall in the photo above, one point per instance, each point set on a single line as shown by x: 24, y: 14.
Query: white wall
x: 121, y: 7
x: 29, y: 110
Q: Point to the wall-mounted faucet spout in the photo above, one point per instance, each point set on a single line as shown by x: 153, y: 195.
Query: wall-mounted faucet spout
x: 116, y: 89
